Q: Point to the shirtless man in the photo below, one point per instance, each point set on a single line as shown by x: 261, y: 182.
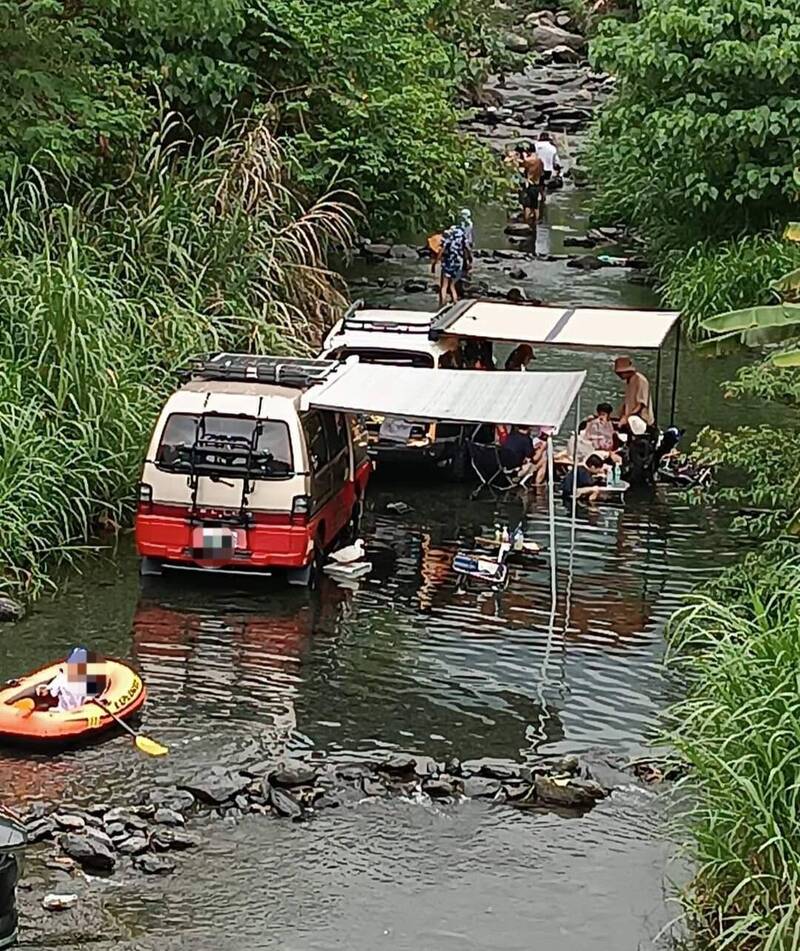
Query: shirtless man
x: 531, y: 170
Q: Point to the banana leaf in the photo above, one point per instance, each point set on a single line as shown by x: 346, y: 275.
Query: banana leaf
x: 787, y: 287
x: 792, y: 231
x: 754, y: 318
x: 789, y: 358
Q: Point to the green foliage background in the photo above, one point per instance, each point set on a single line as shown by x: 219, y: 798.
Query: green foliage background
x: 700, y: 146
x: 360, y: 93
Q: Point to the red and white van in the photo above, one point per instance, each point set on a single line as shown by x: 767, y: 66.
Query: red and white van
x: 239, y: 478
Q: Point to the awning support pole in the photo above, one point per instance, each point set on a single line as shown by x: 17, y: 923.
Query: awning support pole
x: 658, y: 384
x: 552, y: 506
x: 675, y: 372
x: 575, y: 472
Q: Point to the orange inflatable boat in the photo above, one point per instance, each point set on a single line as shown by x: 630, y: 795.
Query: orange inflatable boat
x: 26, y: 717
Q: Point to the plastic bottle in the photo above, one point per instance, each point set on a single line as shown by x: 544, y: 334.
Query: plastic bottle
x: 497, y: 534
x: 506, y: 538
x: 615, y: 475
x: 519, y: 540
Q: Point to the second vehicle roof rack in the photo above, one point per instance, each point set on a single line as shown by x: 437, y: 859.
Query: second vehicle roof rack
x: 244, y: 367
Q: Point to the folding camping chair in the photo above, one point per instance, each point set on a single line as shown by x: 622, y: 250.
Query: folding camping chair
x: 487, y: 464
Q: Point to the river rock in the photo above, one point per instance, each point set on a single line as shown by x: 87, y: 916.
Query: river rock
x: 39, y: 829
x: 540, y: 18
x: 168, y: 817
x: 292, y: 772
x: 520, y: 228
x: 403, y: 252
x: 586, y: 263
x: 577, y: 794
x: 415, y: 285
x: 54, y: 902
x: 548, y: 37
x: 377, y: 250
x: 564, y: 20
x: 285, y: 804
x: 515, y: 43
x: 597, y: 766
x: 133, y: 845
x: 216, y: 785
x: 155, y: 864
x: 170, y: 797
x: 516, y: 295
x: 10, y: 610
x: 88, y: 852
x: 99, y: 836
x: 68, y: 822
x: 440, y: 788
x: 580, y: 241
x: 401, y: 764
x: 481, y: 787
x: 182, y: 840
x: 372, y: 787
x: 564, y: 54
x: 518, y: 274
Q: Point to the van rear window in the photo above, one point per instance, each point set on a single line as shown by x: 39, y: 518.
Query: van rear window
x: 236, y: 445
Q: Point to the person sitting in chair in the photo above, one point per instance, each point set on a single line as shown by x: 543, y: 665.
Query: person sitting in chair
x: 517, y: 448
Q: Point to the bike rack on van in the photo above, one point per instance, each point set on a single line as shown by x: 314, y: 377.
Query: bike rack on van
x: 215, y: 457
x: 245, y: 368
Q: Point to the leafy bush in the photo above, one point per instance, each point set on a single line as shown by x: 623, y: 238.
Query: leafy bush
x: 705, y: 120
x: 712, y: 278
x: 104, y: 292
x: 359, y: 92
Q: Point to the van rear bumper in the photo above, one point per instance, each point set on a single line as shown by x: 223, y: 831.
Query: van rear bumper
x: 169, y: 539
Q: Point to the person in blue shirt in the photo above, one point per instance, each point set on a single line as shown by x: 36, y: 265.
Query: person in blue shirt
x: 584, y: 481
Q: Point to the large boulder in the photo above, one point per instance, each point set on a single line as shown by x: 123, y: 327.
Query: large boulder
x: 564, y: 54
x: 88, y: 852
x: 547, y: 36
x: 292, y: 772
x: 216, y: 785
x: 515, y: 43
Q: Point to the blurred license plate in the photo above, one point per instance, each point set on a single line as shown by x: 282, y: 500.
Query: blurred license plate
x: 215, y: 543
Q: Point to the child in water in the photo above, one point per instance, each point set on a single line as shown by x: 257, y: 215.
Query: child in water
x: 70, y: 685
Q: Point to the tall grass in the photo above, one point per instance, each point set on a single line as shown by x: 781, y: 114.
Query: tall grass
x: 711, y: 278
x: 739, y: 729
x: 104, y: 291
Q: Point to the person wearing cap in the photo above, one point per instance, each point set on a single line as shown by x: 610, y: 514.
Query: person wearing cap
x: 637, y: 400
x: 69, y: 685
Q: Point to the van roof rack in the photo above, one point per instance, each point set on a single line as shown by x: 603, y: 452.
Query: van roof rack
x: 248, y: 368
x: 354, y: 320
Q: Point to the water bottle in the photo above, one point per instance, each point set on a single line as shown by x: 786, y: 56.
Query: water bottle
x: 506, y: 537
x: 519, y: 540
x: 615, y: 474
x: 497, y: 533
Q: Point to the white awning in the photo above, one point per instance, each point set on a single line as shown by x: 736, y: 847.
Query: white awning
x: 457, y: 396
x: 596, y: 327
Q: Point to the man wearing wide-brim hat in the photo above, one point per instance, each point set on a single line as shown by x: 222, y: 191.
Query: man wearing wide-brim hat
x: 637, y: 400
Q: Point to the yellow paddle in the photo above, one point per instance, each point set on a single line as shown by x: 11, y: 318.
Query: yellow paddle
x: 143, y: 743
x: 26, y: 706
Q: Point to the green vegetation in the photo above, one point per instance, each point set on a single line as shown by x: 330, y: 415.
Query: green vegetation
x: 163, y: 173
x: 103, y: 292
x: 738, y: 729
x: 360, y: 94
x: 706, y: 123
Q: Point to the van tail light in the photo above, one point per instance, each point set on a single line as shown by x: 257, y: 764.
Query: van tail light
x: 301, y: 509
x: 145, y: 496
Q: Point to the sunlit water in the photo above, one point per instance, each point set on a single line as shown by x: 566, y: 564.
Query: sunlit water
x: 406, y: 661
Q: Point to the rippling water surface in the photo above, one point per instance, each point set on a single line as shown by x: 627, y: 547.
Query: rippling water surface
x: 406, y: 661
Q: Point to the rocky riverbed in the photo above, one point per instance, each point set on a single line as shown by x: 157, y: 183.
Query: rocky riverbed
x: 554, y: 89
x: 151, y: 836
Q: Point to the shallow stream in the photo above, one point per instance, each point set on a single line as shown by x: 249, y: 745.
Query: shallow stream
x: 405, y: 662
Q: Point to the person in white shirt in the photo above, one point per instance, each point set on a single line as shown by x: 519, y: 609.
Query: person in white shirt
x: 548, y: 153
x: 70, y: 683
